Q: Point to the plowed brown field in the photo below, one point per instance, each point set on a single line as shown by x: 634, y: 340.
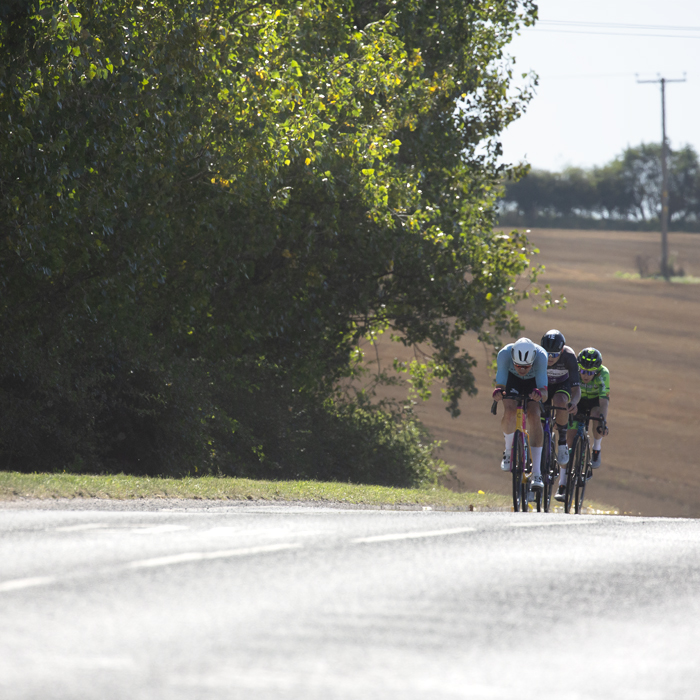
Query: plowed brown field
x: 649, y: 334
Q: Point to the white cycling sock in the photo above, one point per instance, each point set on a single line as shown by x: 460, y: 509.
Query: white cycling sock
x: 536, y: 459
x: 596, y: 443
x: 562, y: 477
x: 509, y: 442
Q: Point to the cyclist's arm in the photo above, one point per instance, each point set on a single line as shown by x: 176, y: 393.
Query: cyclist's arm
x: 498, y: 392
x: 603, y: 403
x: 604, y: 395
x: 604, y: 382
x: 540, y: 368
x: 543, y: 393
x: 504, y: 362
x: 575, y: 397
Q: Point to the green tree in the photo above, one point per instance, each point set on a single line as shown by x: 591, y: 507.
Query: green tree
x: 626, y: 189
x: 541, y: 193
x: 684, y: 185
x: 207, y: 204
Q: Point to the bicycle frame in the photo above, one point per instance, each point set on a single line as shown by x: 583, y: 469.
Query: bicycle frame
x: 550, y: 465
x: 579, y: 470
x: 520, y: 457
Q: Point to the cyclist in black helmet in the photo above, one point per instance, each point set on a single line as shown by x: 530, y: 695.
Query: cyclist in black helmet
x: 595, y: 394
x: 564, y: 385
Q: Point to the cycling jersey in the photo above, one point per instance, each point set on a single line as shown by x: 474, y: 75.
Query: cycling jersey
x: 565, y: 369
x: 505, y: 366
x: 598, y: 387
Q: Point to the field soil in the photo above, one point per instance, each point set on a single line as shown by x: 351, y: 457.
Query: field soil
x: 648, y: 332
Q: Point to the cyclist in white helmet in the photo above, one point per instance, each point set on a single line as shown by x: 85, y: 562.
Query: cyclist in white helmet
x: 522, y: 369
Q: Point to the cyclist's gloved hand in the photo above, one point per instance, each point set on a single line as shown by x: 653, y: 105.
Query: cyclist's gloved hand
x: 571, y: 408
x: 536, y: 395
x: 497, y: 394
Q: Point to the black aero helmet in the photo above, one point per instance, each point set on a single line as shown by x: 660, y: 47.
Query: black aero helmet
x: 553, y: 341
x: 590, y: 359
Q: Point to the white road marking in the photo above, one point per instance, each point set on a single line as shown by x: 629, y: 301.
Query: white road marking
x: 412, y: 535
x: 203, y: 556
x: 77, y: 528
x: 573, y: 521
x: 267, y: 532
x: 20, y: 583
x: 157, y: 529
x: 104, y: 663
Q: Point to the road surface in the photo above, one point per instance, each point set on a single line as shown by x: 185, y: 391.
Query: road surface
x: 190, y: 601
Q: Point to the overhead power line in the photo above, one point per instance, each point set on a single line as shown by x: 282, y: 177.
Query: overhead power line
x: 627, y: 34
x: 554, y: 26
x: 583, y: 76
x: 618, y: 25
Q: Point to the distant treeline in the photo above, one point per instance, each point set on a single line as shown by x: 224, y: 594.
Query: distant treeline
x: 624, y: 194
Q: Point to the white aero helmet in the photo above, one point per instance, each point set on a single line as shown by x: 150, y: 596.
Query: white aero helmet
x: 523, y: 352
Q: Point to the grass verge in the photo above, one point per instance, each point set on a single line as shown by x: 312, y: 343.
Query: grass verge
x: 686, y: 279
x: 15, y: 485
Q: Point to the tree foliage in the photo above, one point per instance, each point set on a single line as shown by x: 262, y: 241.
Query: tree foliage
x: 207, y: 204
x: 627, y: 190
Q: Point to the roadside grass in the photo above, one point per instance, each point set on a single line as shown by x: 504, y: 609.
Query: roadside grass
x: 14, y: 485
x: 685, y: 279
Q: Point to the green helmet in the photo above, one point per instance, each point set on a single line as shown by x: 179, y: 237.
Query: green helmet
x: 590, y: 359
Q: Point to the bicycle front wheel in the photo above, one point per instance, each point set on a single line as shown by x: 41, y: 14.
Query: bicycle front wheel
x: 582, y: 475
x: 517, y: 464
x: 571, y: 472
x: 525, y: 481
x: 548, y: 468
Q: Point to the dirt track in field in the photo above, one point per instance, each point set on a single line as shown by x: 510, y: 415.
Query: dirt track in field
x: 649, y: 334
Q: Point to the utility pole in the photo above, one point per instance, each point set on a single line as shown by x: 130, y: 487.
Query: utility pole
x: 665, y: 271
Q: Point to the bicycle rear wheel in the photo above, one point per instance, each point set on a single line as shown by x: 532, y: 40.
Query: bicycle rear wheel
x: 517, y: 464
x: 547, y: 472
x: 582, y: 475
x: 525, y: 481
x: 571, y: 476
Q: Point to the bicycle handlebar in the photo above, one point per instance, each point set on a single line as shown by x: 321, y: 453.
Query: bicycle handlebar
x: 515, y: 397
x: 583, y: 416
x: 579, y: 417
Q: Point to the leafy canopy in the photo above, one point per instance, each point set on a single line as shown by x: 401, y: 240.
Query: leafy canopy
x: 207, y: 199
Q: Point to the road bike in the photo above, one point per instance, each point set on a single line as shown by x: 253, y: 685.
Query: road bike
x: 550, y: 464
x: 520, y: 459
x: 580, y: 469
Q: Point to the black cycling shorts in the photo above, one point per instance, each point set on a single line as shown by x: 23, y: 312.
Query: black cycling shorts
x: 518, y: 385
x: 585, y: 405
x: 561, y: 387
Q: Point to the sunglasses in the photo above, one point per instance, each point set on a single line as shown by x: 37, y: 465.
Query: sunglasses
x: 523, y: 366
x: 588, y: 372
x: 554, y: 354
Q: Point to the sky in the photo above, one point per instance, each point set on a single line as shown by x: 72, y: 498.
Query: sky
x: 589, y: 55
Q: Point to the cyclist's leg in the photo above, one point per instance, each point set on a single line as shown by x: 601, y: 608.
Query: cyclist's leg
x: 584, y: 406
x: 534, y: 428
x: 570, y: 437
x: 513, y: 385
x: 561, y: 400
x: 596, y: 437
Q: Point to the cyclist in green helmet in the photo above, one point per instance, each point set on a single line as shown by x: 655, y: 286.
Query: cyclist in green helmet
x: 595, y: 399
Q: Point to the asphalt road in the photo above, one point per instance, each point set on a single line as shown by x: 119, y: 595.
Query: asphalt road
x: 199, y: 601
